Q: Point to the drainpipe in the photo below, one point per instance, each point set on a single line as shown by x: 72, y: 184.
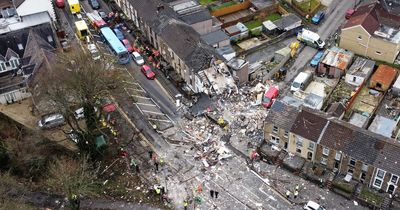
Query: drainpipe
x: 366, y: 48
x: 372, y: 177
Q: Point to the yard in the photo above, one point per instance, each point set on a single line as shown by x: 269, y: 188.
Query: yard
x: 206, y: 2
x: 365, y: 102
x: 370, y: 196
x: 308, y: 6
x: 256, y: 23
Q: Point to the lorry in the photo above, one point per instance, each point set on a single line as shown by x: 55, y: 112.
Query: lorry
x: 74, y: 6
x: 310, y: 38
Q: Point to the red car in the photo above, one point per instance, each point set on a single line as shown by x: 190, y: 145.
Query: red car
x: 60, y: 3
x: 127, y: 45
x: 146, y: 70
x: 269, y: 96
x: 349, y: 13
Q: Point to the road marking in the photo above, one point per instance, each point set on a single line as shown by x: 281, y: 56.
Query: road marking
x: 139, y: 109
x: 151, y: 112
x: 140, y: 96
x: 144, y: 104
x: 160, y: 120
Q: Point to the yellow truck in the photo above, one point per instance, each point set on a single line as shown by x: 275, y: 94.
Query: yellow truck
x: 74, y: 6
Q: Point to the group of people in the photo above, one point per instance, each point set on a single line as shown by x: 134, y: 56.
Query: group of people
x: 295, y: 193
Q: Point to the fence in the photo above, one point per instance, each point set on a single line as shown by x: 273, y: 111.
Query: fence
x: 230, y: 9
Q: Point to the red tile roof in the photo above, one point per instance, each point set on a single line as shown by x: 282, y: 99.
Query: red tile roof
x: 384, y: 74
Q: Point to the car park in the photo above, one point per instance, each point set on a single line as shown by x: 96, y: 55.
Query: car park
x: 148, y: 72
x: 119, y: 34
x: 318, y: 17
x: 51, y: 121
x: 138, y: 58
x: 128, y: 45
x: 269, y: 97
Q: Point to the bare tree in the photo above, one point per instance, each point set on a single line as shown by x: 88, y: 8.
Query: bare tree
x: 74, y: 178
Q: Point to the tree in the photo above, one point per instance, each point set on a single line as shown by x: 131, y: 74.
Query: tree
x: 78, y: 81
x: 74, y: 178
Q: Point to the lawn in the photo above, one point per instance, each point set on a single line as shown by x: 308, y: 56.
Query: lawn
x: 253, y: 24
x: 226, y: 4
x: 274, y: 16
x: 206, y: 2
x: 309, y: 6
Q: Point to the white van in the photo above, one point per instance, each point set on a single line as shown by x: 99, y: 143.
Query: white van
x: 301, y: 81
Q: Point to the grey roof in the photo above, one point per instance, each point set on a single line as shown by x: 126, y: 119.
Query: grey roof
x: 232, y: 29
x: 196, y: 17
x: 282, y: 115
x: 361, y: 67
x: 308, y: 124
x: 287, y: 21
x: 383, y: 126
x: 147, y: 9
x: 215, y: 37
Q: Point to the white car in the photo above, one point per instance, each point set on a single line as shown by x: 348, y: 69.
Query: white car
x: 138, y: 58
x: 94, y: 52
x: 79, y: 113
x: 311, y: 205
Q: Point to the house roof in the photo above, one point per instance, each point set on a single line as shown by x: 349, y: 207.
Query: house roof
x: 195, y: 17
x: 308, y: 124
x: 215, y: 37
x: 337, y: 57
x: 336, y: 136
x: 384, y: 74
x: 5, y: 3
x: 361, y: 67
x: 282, y: 115
x: 383, y: 126
x: 336, y: 109
x: 287, y: 20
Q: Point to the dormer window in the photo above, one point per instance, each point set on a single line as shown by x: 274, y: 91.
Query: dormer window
x: 49, y: 38
x: 20, y: 46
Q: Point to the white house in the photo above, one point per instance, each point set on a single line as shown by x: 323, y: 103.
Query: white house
x: 360, y: 71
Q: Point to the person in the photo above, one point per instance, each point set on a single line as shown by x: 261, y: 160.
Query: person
x: 296, y: 193
x: 216, y: 194
x: 156, y: 164
x: 150, y: 154
x: 287, y: 194
x: 212, y: 193
x: 137, y: 168
x: 185, y: 204
x: 297, y: 187
x: 158, y: 190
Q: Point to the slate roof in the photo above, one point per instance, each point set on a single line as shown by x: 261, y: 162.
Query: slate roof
x: 308, y: 124
x: 336, y: 136
x: 282, y: 115
x: 215, y: 37
x: 196, y: 17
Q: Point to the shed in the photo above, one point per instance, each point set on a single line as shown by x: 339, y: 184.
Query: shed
x: 358, y: 120
x: 233, y: 32
x: 383, y: 78
x: 216, y: 39
x: 335, y: 62
x: 383, y: 126
x: 313, y: 101
x: 269, y: 27
x: 288, y: 22
x: 359, y: 71
x: 396, y: 87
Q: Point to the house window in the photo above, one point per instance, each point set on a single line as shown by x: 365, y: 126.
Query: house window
x: 394, y: 179
x: 7, y: 64
x: 299, y: 142
x: 338, y: 155
x: 379, y: 178
x: 3, y: 67
x: 49, y: 38
x: 286, y: 135
x: 275, y: 129
x: 352, y: 162
x: 364, y: 167
x: 324, y: 161
x: 354, y: 79
x: 274, y: 140
x: 298, y: 150
x: 359, y: 37
x: 325, y: 151
x: 378, y: 52
x: 12, y: 64
x: 311, y: 146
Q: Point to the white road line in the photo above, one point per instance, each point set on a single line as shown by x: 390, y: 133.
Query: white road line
x: 140, y: 96
x: 144, y: 104
x: 153, y: 119
x: 156, y: 113
x: 155, y: 103
x: 139, y: 109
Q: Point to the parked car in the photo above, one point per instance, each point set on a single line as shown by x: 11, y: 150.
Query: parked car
x: 51, y: 121
x: 311, y: 205
x: 301, y: 81
x: 138, y: 58
x: 317, y: 18
x: 79, y: 113
x: 103, y: 15
x: 146, y: 70
x: 119, y: 34
x: 94, y: 4
x: 269, y: 97
x: 60, y: 3
x: 127, y: 45
x: 317, y: 58
x: 349, y: 13
x: 73, y: 135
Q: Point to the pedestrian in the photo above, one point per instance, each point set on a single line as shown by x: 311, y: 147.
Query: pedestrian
x: 162, y: 190
x: 212, y: 193
x: 297, y: 187
x: 296, y: 193
x: 158, y: 190
x: 185, y: 204
x: 137, y: 169
x: 216, y: 194
x: 288, y: 194
x: 156, y: 164
x: 150, y: 154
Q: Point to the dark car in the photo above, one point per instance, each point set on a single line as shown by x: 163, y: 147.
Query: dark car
x: 317, y: 18
x: 94, y: 4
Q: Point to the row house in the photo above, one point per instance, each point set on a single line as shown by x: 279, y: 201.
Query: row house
x: 353, y: 152
x: 179, y: 44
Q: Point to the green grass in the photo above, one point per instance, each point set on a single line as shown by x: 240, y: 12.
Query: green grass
x: 309, y: 6
x: 344, y: 186
x: 206, y: 2
x: 253, y: 24
x: 226, y: 4
x: 371, y: 197
x: 274, y: 16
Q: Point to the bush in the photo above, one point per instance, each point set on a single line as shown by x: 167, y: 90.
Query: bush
x: 370, y: 196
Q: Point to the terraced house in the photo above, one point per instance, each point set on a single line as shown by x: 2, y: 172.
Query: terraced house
x: 354, y: 153
x: 176, y: 34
